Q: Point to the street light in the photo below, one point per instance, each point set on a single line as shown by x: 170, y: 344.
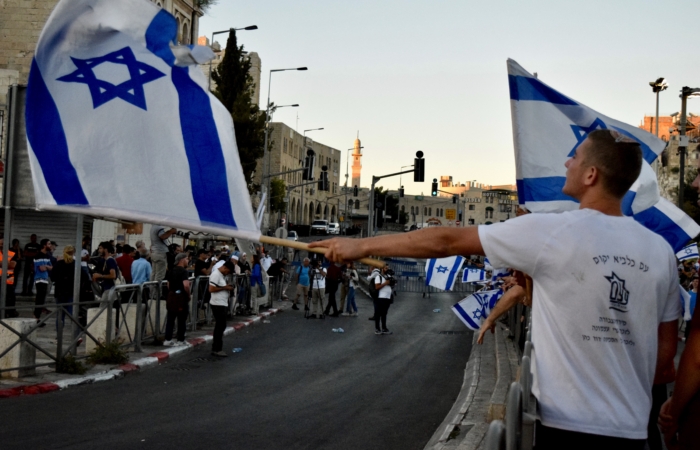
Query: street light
x: 658, y: 86
x: 266, y: 153
x: 248, y: 28
x: 686, y: 93
x: 304, y: 188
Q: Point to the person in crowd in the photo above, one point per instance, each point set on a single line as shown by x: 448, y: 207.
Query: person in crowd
x: 603, y: 333
x: 383, y: 286
x: 693, y: 292
x: 266, y: 261
x: 85, y: 254
x: 680, y: 415
x: 10, y: 300
x: 159, y: 250
x: 140, y: 245
x: 373, y: 293
x: 333, y: 280
x: 303, y: 282
x: 177, y: 301
x: 220, y: 291
x: 106, y: 271
x: 42, y: 268
x: 16, y: 248
x: 257, y: 288
x: 140, y: 268
x: 278, y: 270
x: 353, y: 280
x: 318, y: 289
x: 243, y: 263
x: 31, y: 249
x: 119, y: 251
x: 173, y: 250
x: 344, y: 287
x: 202, y: 268
x: 125, y: 261
x: 63, y: 275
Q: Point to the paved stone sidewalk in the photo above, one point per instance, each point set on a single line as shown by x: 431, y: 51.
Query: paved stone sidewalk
x: 46, y: 380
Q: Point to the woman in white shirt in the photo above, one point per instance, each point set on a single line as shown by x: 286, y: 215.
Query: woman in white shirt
x: 353, y: 280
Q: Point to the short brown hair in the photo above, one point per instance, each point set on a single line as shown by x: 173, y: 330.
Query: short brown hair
x: 617, y: 158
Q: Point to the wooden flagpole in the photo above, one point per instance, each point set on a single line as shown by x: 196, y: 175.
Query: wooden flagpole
x: 303, y: 246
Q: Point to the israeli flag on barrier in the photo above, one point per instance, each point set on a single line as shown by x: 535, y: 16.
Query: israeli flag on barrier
x: 120, y: 122
x: 688, y: 252
x: 474, y: 309
x: 473, y: 275
x: 499, y: 273
x: 442, y: 273
x: 548, y: 127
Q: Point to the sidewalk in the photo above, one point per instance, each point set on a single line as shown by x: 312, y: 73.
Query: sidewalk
x: 46, y: 380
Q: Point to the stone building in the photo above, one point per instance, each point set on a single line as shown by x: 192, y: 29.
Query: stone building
x: 669, y: 125
x: 287, y: 151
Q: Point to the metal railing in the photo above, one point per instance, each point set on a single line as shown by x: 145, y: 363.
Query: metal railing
x: 517, y: 433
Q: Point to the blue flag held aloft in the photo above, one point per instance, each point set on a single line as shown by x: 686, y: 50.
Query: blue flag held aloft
x: 120, y: 122
x: 548, y: 127
x: 474, y: 309
x: 442, y: 273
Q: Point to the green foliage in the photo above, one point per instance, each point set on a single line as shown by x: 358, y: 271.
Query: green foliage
x: 70, y: 366
x: 111, y: 353
x: 278, y: 190
x: 204, y: 5
x: 234, y: 87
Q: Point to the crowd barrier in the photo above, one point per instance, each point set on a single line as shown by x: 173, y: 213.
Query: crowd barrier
x: 517, y: 432
x: 133, y: 313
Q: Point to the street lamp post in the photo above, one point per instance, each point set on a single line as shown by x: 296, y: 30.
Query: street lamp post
x: 249, y: 28
x: 686, y: 92
x: 656, y: 87
x: 303, y: 219
x: 266, y: 154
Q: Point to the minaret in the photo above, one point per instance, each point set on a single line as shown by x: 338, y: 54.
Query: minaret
x: 356, y: 163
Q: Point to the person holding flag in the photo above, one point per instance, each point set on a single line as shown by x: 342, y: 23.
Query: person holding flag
x: 602, y: 329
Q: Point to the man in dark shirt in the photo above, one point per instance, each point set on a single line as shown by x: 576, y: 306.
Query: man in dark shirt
x: 278, y: 270
x: 106, y: 268
x: 30, y: 251
x: 333, y: 279
x: 124, y: 262
x: 202, y: 268
x: 178, y: 298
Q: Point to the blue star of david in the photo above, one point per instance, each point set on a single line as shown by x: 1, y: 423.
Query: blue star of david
x: 581, y: 133
x: 688, y: 251
x: 442, y: 269
x: 131, y: 91
x: 478, y: 314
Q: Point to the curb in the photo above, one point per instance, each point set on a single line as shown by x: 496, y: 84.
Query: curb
x: 138, y: 365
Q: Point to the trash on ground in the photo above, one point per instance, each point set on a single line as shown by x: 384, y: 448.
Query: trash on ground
x: 338, y: 330
x: 237, y: 350
x: 436, y: 310
x: 266, y: 321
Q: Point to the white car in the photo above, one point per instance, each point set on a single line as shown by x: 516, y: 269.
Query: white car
x: 333, y: 228
x: 319, y: 227
x: 292, y: 236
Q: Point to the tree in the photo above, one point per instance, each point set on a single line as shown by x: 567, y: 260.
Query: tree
x: 234, y: 87
x: 204, y: 5
x: 278, y: 190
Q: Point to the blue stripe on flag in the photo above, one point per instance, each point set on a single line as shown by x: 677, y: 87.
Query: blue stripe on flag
x: 465, y: 317
x: 543, y: 189
x: 204, y: 152
x: 429, y: 275
x: 160, y: 33
x: 453, y: 272
x: 526, y: 88
x: 661, y: 224
x: 48, y: 140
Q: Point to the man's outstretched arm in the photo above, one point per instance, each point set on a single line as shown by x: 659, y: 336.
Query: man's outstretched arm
x: 438, y: 242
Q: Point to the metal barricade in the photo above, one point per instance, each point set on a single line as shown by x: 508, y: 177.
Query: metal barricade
x: 154, y: 325
x: 496, y: 436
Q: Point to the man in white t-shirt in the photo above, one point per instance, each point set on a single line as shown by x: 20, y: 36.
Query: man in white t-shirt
x: 381, y: 306
x: 220, y: 291
x: 318, y: 289
x: 606, y: 299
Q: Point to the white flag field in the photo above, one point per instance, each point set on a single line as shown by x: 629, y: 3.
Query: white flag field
x: 442, y: 273
x: 473, y: 275
x: 474, y: 309
x: 120, y: 122
x: 548, y: 126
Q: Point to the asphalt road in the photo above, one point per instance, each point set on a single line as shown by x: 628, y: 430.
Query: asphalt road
x: 295, y: 385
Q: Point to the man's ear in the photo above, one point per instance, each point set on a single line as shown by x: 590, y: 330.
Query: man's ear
x: 592, y: 176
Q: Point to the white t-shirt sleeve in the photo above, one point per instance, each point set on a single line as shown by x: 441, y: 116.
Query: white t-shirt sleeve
x: 672, y: 305
x: 518, y: 242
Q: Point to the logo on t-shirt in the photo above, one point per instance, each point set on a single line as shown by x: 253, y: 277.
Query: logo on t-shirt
x: 619, y: 295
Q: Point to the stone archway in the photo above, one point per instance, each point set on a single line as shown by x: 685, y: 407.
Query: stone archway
x: 303, y: 218
x: 312, y: 212
x: 325, y: 212
x: 334, y: 216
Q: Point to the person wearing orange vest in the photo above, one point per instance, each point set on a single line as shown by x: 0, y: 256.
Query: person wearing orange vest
x: 10, y: 298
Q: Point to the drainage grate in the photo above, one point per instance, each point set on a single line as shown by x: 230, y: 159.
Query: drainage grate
x: 183, y: 367
x: 203, y: 359
x: 453, y: 332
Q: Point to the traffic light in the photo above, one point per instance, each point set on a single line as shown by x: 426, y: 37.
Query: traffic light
x: 434, y: 191
x: 454, y: 199
x: 401, y: 192
x: 419, y: 168
x: 354, y: 191
x: 309, y: 160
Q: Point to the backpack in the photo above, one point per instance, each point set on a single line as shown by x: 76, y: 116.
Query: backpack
x: 373, y: 292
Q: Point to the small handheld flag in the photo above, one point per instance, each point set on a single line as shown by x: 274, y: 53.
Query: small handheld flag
x: 474, y: 309
x: 473, y: 275
x: 442, y: 273
x: 688, y: 252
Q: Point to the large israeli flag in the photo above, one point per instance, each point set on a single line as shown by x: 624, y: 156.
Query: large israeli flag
x: 120, y: 122
x: 473, y: 275
x: 688, y: 252
x: 548, y: 127
x: 442, y: 273
x: 474, y: 309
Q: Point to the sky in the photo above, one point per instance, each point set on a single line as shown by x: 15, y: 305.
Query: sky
x: 431, y: 75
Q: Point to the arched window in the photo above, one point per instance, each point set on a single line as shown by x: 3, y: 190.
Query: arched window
x: 425, y: 210
x: 179, y: 36
x: 185, y: 34
x: 412, y: 210
x: 357, y: 204
x: 430, y: 211
x: 489, y: 212
x: 351, y: 202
